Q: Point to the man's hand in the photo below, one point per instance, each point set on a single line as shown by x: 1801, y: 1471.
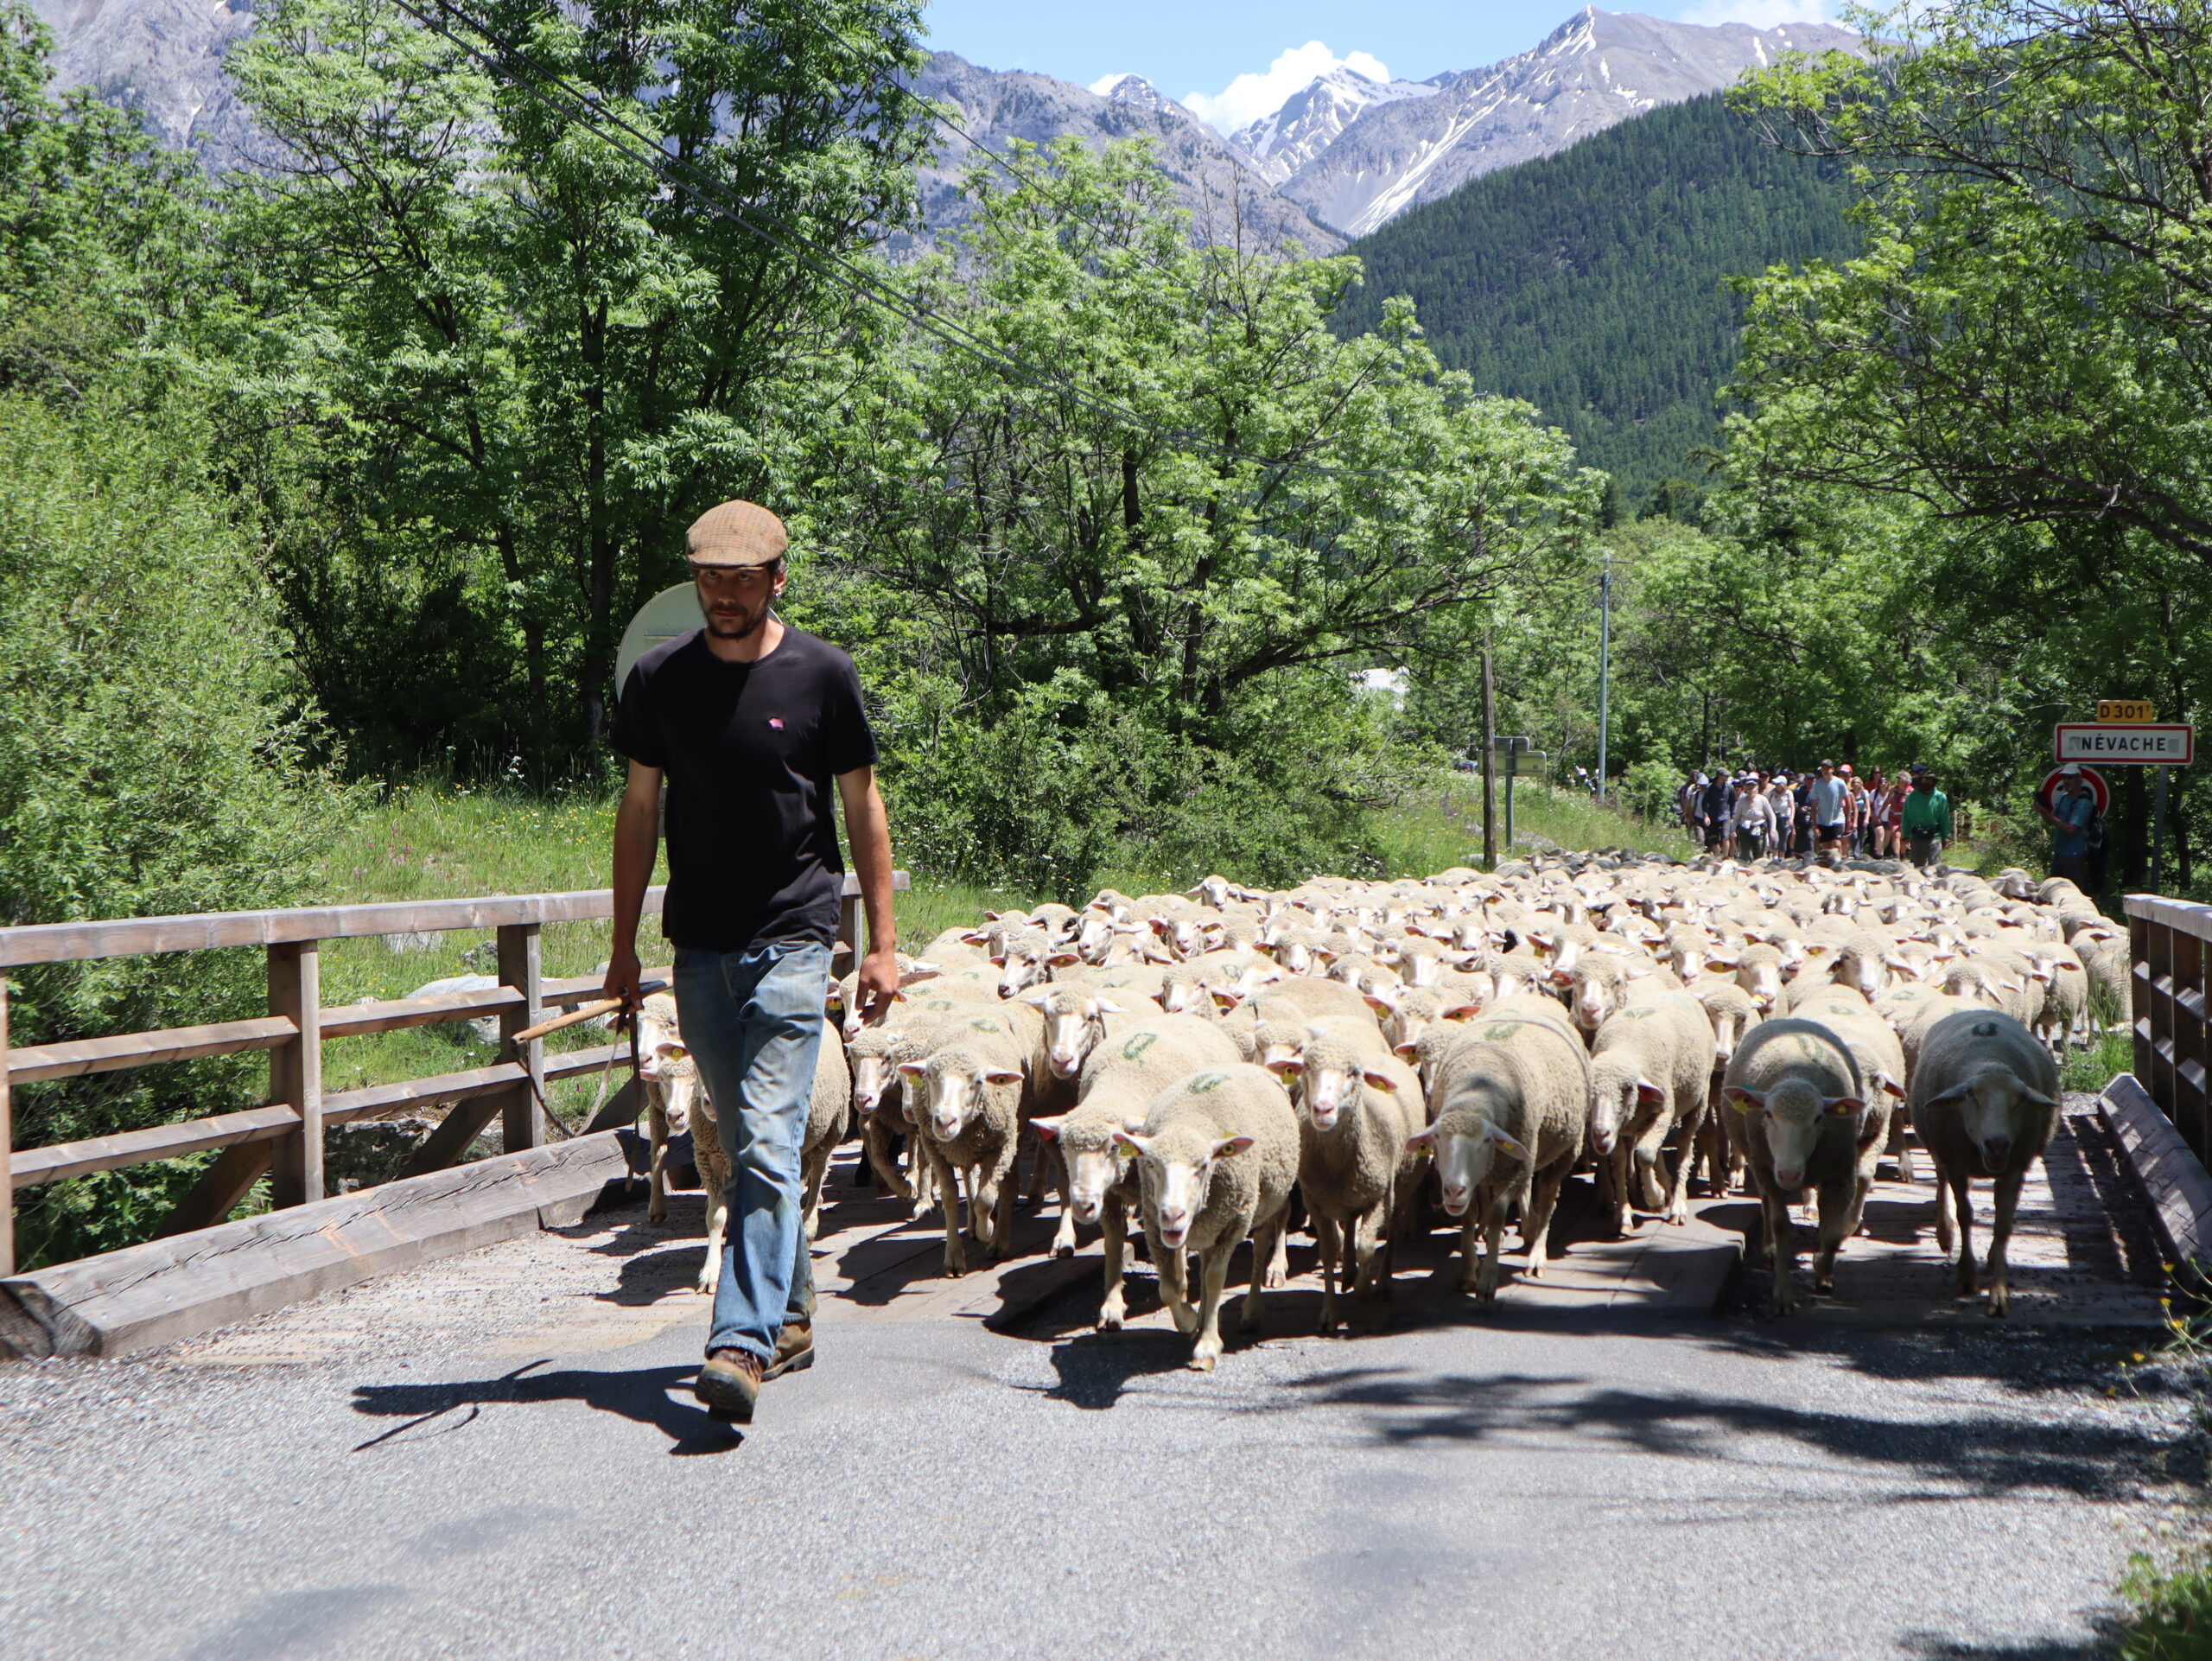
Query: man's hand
x: 622, y: 976
x: 878, y: 985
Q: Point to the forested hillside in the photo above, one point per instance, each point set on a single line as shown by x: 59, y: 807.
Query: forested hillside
x: 1592, y: 282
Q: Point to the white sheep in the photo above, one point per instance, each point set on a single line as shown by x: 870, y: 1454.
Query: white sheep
x: 1217, y: 1158
x: 1984, y: 1102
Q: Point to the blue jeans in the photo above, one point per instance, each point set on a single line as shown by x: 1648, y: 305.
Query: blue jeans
x: 753, y: 1021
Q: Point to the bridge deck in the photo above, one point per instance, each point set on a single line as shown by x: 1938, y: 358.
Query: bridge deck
x: 480, y: 1446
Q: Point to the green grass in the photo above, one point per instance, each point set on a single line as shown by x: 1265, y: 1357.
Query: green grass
x: 2170, y: 1610
x: 1440, y: 827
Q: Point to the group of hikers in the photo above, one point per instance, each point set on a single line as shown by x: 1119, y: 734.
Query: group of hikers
x: 1749, y: 814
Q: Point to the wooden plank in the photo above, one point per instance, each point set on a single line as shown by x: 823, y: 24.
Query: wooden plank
x: 36, y: 1165
x: 171, y: 1289
x: 7, y: 1144
x: 463, y: 1123
x: 295, y: 1070
x: 571, y: 1063
x: 391, y: 1014
x: 522, y: 967
x: 2181, y: 916
x: 221, y: 1187
x: 84, y: 1055
x: 622, y: 1108
x: 367, y: 1101
x: 81, y: 942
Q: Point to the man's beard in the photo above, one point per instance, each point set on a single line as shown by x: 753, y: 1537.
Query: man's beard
x: 748, y: 623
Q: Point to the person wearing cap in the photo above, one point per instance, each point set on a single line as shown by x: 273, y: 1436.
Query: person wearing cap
x: 760, y: 732
x: 1926, y: 819
x: 1754, y: 821
x: 1830, y: 798
x: 2071, y: 806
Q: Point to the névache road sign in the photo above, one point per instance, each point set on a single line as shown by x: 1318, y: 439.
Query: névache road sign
x: 2125, y: 744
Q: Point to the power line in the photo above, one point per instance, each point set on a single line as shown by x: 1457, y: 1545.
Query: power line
x: 582, y: 110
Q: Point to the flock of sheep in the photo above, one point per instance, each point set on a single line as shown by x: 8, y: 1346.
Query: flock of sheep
x: 1211, y: 1063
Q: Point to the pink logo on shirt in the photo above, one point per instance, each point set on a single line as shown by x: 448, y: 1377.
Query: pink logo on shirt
x: 777, y: 722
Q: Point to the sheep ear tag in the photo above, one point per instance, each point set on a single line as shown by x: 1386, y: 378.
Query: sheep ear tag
x: 1844, y: 1106
x: 1229, y: 1145
x: 1513, y: 1149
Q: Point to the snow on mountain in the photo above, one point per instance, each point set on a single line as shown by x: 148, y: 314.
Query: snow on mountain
x: 1598, y: 68
x: 1312, y: 118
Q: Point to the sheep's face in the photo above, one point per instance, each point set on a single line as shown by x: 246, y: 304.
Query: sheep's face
x: 1186, y: 996
x: 950, y: 1091
x: 1214, y: 891
x: 1864, y: 972
x: 1331, y: 1077
x: 1176, y: 1178
x: 2001, y: 1115
x: 1182, y: 935
x: 1027, y: 963
x: 1794, y: 1114
x: 1420, y: 962
x: 872, y: 1076
x: 1465, y: 1147
x: 1687, y: 959
x: 1729, y: 1026
x: 1614, y: 1099
x: 1091, y: 1172
x: 1592, y: 990
x: 1075, y: 1025
x: 1094, y: 936
x: 1295, y: 954
x: 1760, y: 974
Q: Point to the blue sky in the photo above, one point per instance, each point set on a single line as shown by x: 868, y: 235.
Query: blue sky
x: 1201, y: 47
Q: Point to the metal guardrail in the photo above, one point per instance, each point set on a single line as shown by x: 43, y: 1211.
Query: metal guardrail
x: 2170, y: 942
x: 284, y: 1137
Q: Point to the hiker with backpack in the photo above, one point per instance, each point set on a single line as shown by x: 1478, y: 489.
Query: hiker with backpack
x: 2071, y: 813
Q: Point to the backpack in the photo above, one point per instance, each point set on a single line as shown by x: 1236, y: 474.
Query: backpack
x: 2093, y: 831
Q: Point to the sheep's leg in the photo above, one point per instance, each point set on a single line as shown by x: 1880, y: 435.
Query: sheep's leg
x: 1493, y: 1238
x: 1470, y: 1258
x: 1262, y: 1239
x: 1678, y: 1193
x: 1278, y: 1272
x: 1624, y: 1156
x: 814, y: 1167
x: 1174, y: 1268
x: 1330, y: 1240
x: 1112, y: 1221
x: 1213, y: 1274
x: 710, y: 1268
x: 1368, y: 1230
x: 1064, y: 1235
x: 1781, y: 1245
x: 1719, y: 1157
x: 942, y: 1179
x: 882, y: 1159
x: 1040, y: 1168
x: 1947, y: 1233
x: 1962, y: 1194
x: 1839, y: 1208
x: 656, y: 1183
x: 1899, y: 1149
x: 2000, y: 1232
x: 1543, y: 1202
x: 999, y: 1200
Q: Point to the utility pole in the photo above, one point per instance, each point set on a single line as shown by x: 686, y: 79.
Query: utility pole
x: 2158, y: 830
x: 1604, y: 662
x: 1490, y: 784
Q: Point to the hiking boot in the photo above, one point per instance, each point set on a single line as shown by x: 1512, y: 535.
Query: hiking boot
x: 728, y: 1385
x: 794, y: 1351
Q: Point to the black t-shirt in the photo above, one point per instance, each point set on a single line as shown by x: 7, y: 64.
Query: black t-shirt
x: 750, y: 750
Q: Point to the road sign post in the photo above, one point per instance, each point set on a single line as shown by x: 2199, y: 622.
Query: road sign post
x: 2126, y: 735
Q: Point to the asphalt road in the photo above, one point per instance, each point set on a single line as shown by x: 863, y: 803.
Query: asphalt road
x: 495, y: 1456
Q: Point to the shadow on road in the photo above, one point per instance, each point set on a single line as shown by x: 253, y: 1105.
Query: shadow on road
x: 1989, y: 1455
x: 1931, y: 1647
x: 641, y: 1395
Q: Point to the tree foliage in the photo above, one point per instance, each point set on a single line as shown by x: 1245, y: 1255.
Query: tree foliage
x: 1137, y: 582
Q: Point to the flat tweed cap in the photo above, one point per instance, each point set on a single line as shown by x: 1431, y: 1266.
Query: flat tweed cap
x: 736, y: 533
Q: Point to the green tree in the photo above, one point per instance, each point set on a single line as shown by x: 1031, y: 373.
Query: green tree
x: 529, y: 361
x: 1170, y: 535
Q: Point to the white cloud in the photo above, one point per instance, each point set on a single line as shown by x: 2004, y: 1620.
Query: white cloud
x: 1759, y: 13
x: 1106, y: 84
x: 1248, y: 97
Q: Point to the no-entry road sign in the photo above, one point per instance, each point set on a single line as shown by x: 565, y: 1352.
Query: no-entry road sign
x: 2127, y: 743
x: 2090, y: 776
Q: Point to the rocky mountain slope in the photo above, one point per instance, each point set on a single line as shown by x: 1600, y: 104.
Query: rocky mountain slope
x: 164, y: 58
x: 1596, y: 70
x: 1312, y: 119
x: 1227, y: 198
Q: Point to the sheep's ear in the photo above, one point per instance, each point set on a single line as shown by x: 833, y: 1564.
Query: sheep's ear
x: 1408, y: 1050
x: 1511, y: 1149
x: 1034, y: 996
x: 1063, y: 959
x: 2037, y: 1097
x: 1890, y: 1086
x: 1287, y: 1067
x: 1844, y: 1106
x: 1648, y: 1094
x: 1379, y: 1079
x: 1002, y: 1076
x: 1048, y: 1128
x: 1129, y: 1145
x: 1381, y: 1006
x: 911, y: 1069
x: 977, y: 937
x: 1229, y: 1145
x: 1227, y: 997
x: 1463, y: 1012
x: 1561, y: 978
x: 1424, y: 1140
x: 1744, y: 1099
x: 1108, y: 1006
x: 1637, y: 969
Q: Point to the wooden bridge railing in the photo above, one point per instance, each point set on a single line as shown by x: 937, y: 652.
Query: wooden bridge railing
x: 2170, y: 942
x: 284, y: 1137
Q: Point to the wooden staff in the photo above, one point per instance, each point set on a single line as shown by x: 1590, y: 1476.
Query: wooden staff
x: 585, y: 1012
